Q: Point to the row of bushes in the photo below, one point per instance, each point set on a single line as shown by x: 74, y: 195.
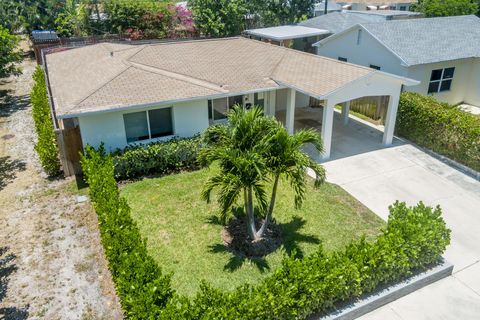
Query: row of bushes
x: 140, y: 284
x: 440, y: 127
x: 46, y: 146
x: 157, y: 158
x: 414, y: 239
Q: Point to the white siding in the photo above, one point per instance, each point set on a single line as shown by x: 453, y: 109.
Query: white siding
x: 461, y: 89
x: 189, y: 118
x: 368, y: 51
x: 466, y: 81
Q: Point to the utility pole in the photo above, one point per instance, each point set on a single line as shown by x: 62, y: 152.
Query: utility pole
x: 326, y: 5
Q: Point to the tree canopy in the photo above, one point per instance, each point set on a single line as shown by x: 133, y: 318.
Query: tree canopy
x: 445, y: 8
x: 9, y: 54
x: 254, y: 151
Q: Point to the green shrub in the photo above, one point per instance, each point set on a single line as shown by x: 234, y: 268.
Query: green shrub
x: 46, y: 146
x: 140, y: 284
x: 414, y: 239
x: 157, y: 158
x: 440, y: 127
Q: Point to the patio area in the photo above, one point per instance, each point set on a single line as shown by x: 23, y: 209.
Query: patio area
x: 350, y: 139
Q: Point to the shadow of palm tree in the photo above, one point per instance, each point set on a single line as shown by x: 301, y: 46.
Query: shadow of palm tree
x: 292, y: 238
x: 237, y: 260
x: 9, y: 169
x: 7, y: 267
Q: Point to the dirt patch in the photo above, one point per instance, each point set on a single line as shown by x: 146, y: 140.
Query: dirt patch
x: 236, y: 240
x: 52, y: 265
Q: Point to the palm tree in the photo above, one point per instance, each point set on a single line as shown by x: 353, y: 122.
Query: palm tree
x: 252, y: 151
x: 286, y: 158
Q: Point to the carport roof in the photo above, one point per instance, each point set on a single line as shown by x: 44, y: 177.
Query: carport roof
x: 281, y: 33
x: 107, y: 77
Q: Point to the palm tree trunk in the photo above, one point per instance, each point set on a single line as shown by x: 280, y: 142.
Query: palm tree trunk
x: 270, y: 208
x: 250, y: 215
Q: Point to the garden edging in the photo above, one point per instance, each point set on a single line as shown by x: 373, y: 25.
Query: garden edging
x: 377, y: 299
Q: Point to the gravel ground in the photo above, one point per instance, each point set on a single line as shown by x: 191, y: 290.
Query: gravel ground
x: 52, y: 265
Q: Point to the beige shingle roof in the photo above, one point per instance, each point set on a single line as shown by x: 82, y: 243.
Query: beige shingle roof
x: 108, y: 76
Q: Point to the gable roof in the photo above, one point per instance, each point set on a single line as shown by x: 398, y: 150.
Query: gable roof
x: 427, y: 40
x: 105, y: 77
x: 338, y: 21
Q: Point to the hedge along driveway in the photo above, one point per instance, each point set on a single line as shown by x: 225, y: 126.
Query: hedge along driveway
x: 440, y: 127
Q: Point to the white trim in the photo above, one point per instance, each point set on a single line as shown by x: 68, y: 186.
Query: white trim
x: 166, y: 102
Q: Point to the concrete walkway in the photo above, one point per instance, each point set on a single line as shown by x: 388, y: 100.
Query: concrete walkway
x: 378, y: 176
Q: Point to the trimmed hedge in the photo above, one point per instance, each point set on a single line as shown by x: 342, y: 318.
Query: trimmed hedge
x: 440, y: 127
x: 414, y: 240
x: 157, y: 158
x: 140, y: 284
x: 46, y: 146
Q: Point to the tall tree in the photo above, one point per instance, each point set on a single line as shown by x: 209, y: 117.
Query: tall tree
x: 10, y: 56
x: 281, y: 12
x: 220, y: 18
x: 252, y: 151
x: 445, y: 8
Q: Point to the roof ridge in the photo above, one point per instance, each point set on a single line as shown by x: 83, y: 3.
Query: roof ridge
x: 178, y: 76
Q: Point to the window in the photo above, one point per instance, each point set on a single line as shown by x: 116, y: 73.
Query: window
x: 259, y: 99
x: 218, y: 108
x: 342, y: 59
x: 403, y: 8
x: 375, y: 67
x: 150, y: 124
x: 441, y: 80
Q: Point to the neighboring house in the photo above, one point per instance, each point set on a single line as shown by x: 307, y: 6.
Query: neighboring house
x: 362, y: 5
x: 122, y: 94
x: 442, y: 53
x: 305, y: 34
x: 332, y: 6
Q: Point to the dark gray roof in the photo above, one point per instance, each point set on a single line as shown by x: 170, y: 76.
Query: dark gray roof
x: 429, y: 40
x: 338, y: 21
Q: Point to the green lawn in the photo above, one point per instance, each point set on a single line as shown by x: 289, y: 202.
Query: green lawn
x: 184, y: 237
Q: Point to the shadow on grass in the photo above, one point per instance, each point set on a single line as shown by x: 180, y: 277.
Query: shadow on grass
x: 292, y: 238
x: 7, y: 267
x: 9, y: 169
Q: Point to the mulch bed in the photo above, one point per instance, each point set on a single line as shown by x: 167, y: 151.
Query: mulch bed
x: 236, y: 240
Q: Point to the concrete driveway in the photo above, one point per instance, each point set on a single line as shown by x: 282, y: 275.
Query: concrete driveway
x: 379, y: 176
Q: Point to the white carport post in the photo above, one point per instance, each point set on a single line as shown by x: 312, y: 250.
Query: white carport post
x: 327, y: 127
x: 290, y: 114
x: 345, y: 112
x: 390, y: 119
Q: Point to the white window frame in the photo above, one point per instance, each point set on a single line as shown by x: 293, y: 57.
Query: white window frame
x: 150, y: 139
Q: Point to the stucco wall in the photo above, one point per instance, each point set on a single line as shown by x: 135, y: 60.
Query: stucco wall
x: 367, y: 52
x: 472, y: 95
x: 461, y: 89
x: 189, y: 118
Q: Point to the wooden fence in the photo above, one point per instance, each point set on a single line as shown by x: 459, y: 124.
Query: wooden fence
x: 373, y: 107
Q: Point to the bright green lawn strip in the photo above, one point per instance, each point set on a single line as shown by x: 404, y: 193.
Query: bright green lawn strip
x: 183, y: 239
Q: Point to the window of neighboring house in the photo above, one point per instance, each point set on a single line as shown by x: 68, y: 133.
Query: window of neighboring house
x: 375, y: 67
x: 441, y: 80
x: 403, y: 8
x: 149, y: 124
x: 342, y: 59
x: 359, y: 36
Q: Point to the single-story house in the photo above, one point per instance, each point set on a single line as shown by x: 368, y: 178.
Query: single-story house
x: 122, y: 94
x: 443, y: 54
